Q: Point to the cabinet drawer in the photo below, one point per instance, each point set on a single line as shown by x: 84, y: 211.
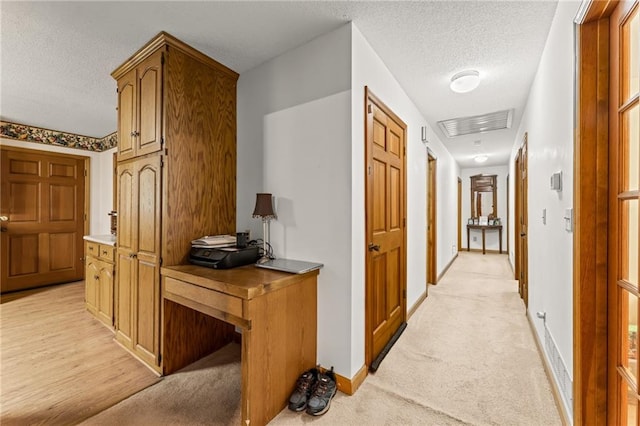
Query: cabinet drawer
x: 107, y: 253
x: 92, y: 249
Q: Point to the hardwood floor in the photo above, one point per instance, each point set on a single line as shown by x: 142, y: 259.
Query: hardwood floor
x: 59, y: 364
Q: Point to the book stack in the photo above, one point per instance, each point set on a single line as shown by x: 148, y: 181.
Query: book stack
x: 214, y: 241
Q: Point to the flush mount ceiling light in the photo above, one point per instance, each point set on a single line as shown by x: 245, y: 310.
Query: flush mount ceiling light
x: 465, y: 81
x: 480, y: 158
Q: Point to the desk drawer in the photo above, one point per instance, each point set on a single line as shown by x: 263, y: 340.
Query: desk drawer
x: 211, y: 298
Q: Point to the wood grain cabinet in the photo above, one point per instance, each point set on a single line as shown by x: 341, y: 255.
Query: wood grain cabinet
x: 99, y: 281
x: 175, y: 175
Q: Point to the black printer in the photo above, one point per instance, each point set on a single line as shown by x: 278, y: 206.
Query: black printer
x: 223, y: 257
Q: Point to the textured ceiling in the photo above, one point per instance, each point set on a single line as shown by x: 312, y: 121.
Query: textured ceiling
x: 56, y: 57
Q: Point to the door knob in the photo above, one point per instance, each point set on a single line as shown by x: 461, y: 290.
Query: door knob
x: 374, y: 247
x: 4, y: 219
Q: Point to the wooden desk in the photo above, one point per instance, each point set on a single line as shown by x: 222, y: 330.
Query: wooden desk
x: 276, y: 312
x: 484, y: 228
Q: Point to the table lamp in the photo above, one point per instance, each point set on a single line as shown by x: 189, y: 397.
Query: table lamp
x: 264, y: 210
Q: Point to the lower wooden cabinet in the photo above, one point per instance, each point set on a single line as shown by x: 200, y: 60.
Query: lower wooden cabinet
x: 99, y: 282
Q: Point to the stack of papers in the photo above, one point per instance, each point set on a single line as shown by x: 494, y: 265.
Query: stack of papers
x: 214, y: 241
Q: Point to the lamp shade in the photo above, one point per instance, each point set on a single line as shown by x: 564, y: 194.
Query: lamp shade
x: 264, y: 206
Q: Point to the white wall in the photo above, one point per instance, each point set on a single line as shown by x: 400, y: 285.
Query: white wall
x: 294, y: 142
x: 491, y: 237
x: 101, y: 180
x: 548, y: 120
x: 369, y: 70
x: 313, y: 71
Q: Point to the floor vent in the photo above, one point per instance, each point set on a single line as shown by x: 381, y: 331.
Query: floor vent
x: 565, y: 383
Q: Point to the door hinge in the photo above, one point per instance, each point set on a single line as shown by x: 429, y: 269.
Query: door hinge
x: 404, y: 293
x: 161, y: 162
x: 161, y: 140
x: 369, y: 109
x: 85, y: 172
x: 369, y: 170
x: 85, y: 216
x: 160, y: 261
x: 160, y: 358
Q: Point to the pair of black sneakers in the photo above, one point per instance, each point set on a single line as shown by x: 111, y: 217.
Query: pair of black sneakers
x: 314, y: 391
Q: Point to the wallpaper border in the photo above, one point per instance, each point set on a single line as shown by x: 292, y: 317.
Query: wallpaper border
x: 23, y: 132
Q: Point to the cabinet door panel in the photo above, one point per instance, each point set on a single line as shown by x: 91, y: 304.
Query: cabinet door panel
x: 91, y: 285
x: 148, y: 208
x: 125, y: 273
x: 127, y: 112
x: 126, y: 208
x: 148, y: 311
x: 105, y: 294
x: 150, y: 105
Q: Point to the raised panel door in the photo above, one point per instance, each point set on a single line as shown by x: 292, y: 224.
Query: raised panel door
x: 386, y: 264
x: 43, y: 210
x: 127, y: 115
x: 147, y: 291
x: 105, y: 294
x: 149, y: 85
x: 91, y: 285
x: 126, y: 264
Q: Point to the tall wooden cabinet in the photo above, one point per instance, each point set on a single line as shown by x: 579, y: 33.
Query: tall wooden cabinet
x: 175, y: 176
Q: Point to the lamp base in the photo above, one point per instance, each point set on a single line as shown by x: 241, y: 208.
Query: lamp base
x: 263, y: 259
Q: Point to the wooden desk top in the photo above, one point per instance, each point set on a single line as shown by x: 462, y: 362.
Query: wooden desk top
x: 246, y: 282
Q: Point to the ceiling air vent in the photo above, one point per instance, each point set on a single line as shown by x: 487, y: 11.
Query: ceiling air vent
x: 477, y: 124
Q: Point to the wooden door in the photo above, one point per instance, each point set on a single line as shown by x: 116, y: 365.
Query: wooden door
x: 43, y: 213
x: 516, y: 226
x: 105, y: 293
x: 524, y: 245
x: 624, y: 229
x: 149, y: 132
x: 126, y: 266
x: 459, y: 214
x: 127, y: 115
x: 91, y: 278
x: 432, y: 272
x: 385, y: 225
x: 147, y: 215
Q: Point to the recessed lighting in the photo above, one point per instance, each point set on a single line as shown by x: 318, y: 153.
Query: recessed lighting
x: 465, y: 81
x: 480, y: 158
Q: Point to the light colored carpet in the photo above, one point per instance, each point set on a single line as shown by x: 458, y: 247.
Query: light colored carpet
x: 467, y: 357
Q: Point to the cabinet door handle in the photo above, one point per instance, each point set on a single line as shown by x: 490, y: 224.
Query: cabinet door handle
x: 135, y: 133
x: 133, y: 256
x: 104, y: 252
x: 97, y: 277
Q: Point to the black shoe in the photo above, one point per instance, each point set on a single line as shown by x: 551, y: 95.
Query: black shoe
x: 304, y: 387
x: 323, y: 393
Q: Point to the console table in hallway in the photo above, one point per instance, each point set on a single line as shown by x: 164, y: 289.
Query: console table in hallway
x: 484, y: 228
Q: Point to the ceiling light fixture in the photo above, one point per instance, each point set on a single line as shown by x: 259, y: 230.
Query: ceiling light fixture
x: 465, y: 81
x: 480, y: 158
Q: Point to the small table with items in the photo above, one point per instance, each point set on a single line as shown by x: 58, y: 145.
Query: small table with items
x: 484, y: 228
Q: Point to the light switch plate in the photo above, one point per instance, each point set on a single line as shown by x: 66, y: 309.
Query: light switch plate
x: 544, y: 216
x: 568, y: 220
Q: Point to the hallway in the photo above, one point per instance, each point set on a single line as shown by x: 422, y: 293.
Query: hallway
x: 467, y: 357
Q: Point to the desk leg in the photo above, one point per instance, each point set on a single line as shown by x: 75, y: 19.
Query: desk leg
x: 280, y: 345
x: 500, y: 236
x: 468, y: 246
x: 483, y: 244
